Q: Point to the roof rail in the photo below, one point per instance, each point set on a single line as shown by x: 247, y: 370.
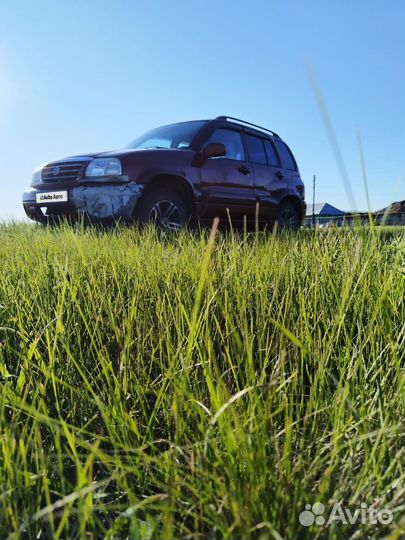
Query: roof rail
x: 243, y: 122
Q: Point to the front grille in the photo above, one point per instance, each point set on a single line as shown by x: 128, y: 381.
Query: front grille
x: 61, y: 171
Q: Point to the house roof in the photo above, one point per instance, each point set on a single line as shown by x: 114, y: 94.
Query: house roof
x: 393, y: 208
x: 323, y: 209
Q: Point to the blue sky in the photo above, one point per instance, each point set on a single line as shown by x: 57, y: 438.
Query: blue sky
x: 86, y: 76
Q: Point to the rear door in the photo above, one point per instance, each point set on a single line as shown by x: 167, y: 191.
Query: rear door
x: 227, y: 182
x: 269, y: 180
x: 290, y: 166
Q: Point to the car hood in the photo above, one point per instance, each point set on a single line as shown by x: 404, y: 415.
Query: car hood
x: 127, y: 151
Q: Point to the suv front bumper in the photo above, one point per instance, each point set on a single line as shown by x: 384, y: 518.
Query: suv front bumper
x: 99, y: 202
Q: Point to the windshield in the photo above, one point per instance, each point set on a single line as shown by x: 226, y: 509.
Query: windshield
x: 173, y: 136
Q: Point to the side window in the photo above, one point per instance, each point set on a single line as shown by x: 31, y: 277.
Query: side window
x: 256, y: 149
x: 232, y: 141
x: 272, y: 156
x: 286, y: 156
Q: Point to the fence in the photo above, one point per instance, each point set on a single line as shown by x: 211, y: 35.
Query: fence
x: 349, y: 220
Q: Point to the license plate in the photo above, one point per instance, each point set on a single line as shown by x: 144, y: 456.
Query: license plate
x: 52, y: 197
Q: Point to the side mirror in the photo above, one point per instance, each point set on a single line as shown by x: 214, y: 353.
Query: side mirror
x: 214, y: 150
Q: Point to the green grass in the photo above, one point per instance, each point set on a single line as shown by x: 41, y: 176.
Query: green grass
x: 175, y: 387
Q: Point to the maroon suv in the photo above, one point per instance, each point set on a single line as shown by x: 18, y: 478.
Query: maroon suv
x: 177, y: 174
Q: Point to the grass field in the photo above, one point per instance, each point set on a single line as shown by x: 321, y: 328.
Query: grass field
x: 185, y: 388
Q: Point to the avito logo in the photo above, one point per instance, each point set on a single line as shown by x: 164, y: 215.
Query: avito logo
x: 315, y: 514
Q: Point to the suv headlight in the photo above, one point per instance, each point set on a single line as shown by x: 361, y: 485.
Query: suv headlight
x: 37, y: 176
x: 104, y: 167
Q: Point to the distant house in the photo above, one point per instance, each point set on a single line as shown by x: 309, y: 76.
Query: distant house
x: 394, y: 214
x: 325, y: 214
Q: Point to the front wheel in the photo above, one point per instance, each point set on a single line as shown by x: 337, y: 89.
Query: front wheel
x: 288, y: 217
x: 164, y: 208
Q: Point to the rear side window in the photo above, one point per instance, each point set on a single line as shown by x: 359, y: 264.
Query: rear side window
x: 272, y: 156
x: 256, y: 149
x: 232, y: 141
x: 286, y: 155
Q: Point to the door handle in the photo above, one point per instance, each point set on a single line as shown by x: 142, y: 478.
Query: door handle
x: 244, y: 170
x: 279, y: 175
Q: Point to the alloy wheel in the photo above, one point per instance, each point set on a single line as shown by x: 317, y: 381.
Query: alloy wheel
x: 288, y: 219
x: 166, y: 215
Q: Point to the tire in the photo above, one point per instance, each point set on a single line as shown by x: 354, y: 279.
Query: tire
x: 165, y: 208
x: 288, y: 218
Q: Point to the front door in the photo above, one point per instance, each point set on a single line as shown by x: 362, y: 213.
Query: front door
x: 227, y: 182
